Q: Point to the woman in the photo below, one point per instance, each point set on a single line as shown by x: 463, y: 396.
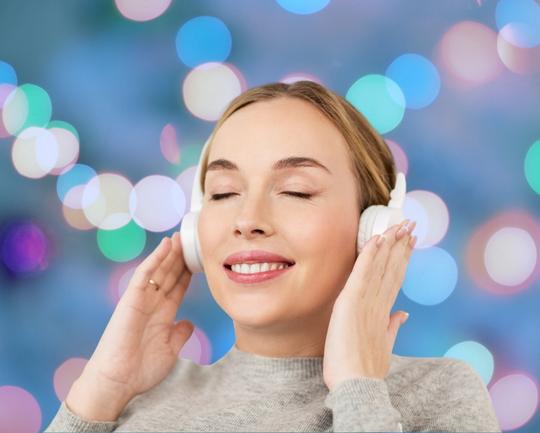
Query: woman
x: 313, y: 348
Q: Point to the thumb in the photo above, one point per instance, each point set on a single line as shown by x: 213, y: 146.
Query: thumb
x: 180, y: 333
x: 396, y: 320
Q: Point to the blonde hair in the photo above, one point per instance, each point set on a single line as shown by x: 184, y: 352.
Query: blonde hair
x: 371, y: 160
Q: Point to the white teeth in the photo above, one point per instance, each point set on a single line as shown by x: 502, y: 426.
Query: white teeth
x: 244, y: 268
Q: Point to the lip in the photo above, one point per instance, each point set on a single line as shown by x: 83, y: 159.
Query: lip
x: 255, y: 278
x: 256, y: 256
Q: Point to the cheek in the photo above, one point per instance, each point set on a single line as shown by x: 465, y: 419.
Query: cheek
x: 209, y: 234
x: 321, y: 235
x: 325, y: 246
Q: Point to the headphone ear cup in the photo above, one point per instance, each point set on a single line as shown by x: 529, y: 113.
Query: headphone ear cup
x: 191, y: 248
x: 374, y: 220
x: 365, y: 228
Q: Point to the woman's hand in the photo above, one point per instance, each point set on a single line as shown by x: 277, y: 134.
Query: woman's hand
x: 361, y: 332
x: 141, y: 342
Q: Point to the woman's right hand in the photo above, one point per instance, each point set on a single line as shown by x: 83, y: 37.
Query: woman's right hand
x: 141, y: 342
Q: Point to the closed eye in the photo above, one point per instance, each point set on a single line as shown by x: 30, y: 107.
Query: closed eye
x: 303, y: 195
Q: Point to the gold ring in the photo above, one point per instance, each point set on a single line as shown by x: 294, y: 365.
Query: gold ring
x: 150, y: 281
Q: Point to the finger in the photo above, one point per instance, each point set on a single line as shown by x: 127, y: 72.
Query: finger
x: 356, y: 283
x: 178, y: 269
x: 181, y: 332
x: 382, y: 257
x: 174, y: 298
x: 153, y: 260
x: 177, y: 292
x: 167, y: 273
x: 396, y: 268
x: 146, y: 268
x: 397, y: 319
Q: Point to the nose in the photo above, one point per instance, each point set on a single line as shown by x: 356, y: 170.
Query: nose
x: 252, y: 220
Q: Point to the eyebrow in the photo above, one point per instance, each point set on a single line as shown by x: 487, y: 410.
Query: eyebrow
x: 290, y: 162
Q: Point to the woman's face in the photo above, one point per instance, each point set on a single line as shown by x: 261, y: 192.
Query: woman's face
x: 319, y: 233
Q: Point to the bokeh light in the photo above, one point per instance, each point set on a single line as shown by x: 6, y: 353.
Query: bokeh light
x: 76, y: 177
x: 142, y: 10
x: 532, y: 166
x: 417, y: 78
x: 518, y: 59
x: 379, y: 99
x: 400, y: 157
x: 168, y: 144
x: 66, y: 374
x: 209, y: 88
x: 27, y: 105
x: 7, y: 74
x: 303, y: 7
x: 70, y: 188
x: 34, y: 152
x: 501, y: 255
x: 431, y: 276
x: 203, y: 39
x: 106, y: 199
x: 123, y: 244
x: 19, y: 410
x: 433, y: 222
x: 157, y: 203
x: 119, y: 280
x: 64, y: 125
x: 519, y: 22
x: 5, y: 91
x: 197, y: 348
x: 67, y: 145
x: 186, y: 179
x: 467, y: 54
x: 515, y: 400
x: 24, y: 248
x: 476, y: 355
x: 510, y: 256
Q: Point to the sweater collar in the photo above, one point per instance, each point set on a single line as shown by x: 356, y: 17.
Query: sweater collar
x: 274, y: 368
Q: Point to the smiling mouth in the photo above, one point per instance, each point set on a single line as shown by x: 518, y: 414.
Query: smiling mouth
x: 287, y: 265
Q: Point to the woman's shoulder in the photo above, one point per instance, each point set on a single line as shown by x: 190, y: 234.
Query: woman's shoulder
x: 440, y: 394
x: 443, y: 376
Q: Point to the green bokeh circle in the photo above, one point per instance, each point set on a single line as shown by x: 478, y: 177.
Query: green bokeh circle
x: 379, y: 99
x: 123, y: 244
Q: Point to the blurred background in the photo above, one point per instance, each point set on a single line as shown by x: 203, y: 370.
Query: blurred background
x: 105, y: 106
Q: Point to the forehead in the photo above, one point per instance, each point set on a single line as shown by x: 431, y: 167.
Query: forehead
x: 258, y: 135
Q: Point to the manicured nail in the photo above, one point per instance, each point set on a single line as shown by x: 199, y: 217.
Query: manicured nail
x: 411, y: 226
x: 380, y: 240
x: 401, y: 231
x: 412, y: 241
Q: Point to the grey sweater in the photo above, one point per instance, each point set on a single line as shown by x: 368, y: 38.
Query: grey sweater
x: 248, y: 392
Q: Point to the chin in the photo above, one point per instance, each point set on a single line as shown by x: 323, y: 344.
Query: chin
x: 255, y: 311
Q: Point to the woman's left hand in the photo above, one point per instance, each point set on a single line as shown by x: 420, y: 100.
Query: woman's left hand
x: 361, y: 332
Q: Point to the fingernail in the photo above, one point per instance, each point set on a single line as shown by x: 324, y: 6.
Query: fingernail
x: 411, y: 226
x: 401, y: 231
x: 412, y: 241
x: 404, y: 222
x: 380, y: 240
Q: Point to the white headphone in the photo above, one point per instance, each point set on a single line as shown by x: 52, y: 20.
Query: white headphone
x: 374, y: 220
